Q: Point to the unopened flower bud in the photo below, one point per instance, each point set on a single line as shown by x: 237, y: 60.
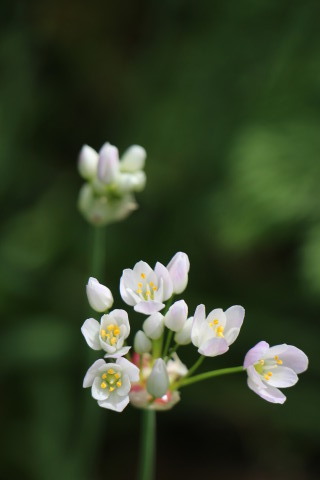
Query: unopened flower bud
x: 108, y: 166
x: 153, y: 326
x: 133, y: 159
x: 88, y: 162
x: 184, y: 336
x: 99, y: 297
x: 176, y: 316
x: 158, y: 381
x: 142, y: 344
x: 178, y: 268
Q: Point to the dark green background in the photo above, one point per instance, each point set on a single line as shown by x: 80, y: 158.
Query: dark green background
x: 225, y: 97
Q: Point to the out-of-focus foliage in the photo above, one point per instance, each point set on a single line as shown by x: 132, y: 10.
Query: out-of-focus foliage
x: 225, y: 97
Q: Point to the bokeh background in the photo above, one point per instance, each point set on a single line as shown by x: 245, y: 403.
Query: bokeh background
x: 225, y: 97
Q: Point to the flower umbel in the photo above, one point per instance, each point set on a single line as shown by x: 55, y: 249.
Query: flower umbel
x: 271, y: 367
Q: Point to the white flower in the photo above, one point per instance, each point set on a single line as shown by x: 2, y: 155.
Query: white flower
x: 214, y: 334
x: 99, y: 297
x: 111, y: 382
x: 269, y: 368
x: 176, y: 316
x: 141, y: 343
x: 158, y: 381
x: 153, y: 326
x: 88, y: 162
x: 183, y: 337
x: 146, y: 289
x: 178, y: 268
x: 175, y: 368
x: 109, y: 335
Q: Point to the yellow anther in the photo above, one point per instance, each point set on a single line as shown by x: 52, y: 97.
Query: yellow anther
x: 220, y: 331
x: 215, y: 321
x: 111, y: 371
x: 111, y: 327
x: 140, y: 285
x: 269, y: 374
x: 113, y: 340
x: 143, y: 275
x: 261, y: 362
x: 108, y: 335
x: 116, y: 331
x: 152, y: 284
x: 117, y: 375
x: 104, y: 376
x: 103, y: 385
x: 139, y: 291
x: 148, y: 293
x: 276, y: 357
x: 154, y: 288
x: 279, y: 362
x: 119, y: 384
x: 111, y: 389
x: 266, y: 376
x: 103, y: 333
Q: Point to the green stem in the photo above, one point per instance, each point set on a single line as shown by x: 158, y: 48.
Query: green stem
x: 195, y: 366
x: 167, y: 344
x: 98, y: 252
x: 204, y: 376
x: 147, y: 445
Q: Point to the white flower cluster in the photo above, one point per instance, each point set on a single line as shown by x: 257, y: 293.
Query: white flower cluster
x: 107, y: 195
x: 152, y: 378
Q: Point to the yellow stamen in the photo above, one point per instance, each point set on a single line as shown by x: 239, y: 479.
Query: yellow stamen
x: 279, y: 362
x: 113, y: 340
x: 148, y: 293
x: 261, y: 362
x: 104, y: 376
x: 139, y: 291
x: 103, y: 385
x: 215, y: 321
x: 111, y: 327
x: 103, y: 333
x: 266, y: 377
x: 269, y: 374
x: 111, y: 389
x: 116, y: 331
x: 111, y: 371
x: 220, y: 331
x: 119, y: 384
x: 143, y: 275
x: 154, y: 288
x: 140, y: 285
x: 117, y: 375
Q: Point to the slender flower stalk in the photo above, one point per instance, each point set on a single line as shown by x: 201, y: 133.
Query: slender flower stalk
x: 204, y: 376
x: 147, y: 445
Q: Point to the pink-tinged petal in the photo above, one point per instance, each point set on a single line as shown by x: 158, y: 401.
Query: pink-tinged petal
x: 178, y: 268
x: 148, y: 307
x: 115, y: 403
x: 231, y: 335
x: 214, y: 347
x: 177, y: 315
x: 282, y: 377
x: 255, y: 353
x: 161, y: 272
x: 88, y: 162
x: 235, y: 316
x: 271, y: 394
x: 217, y: 314
x: 292, y: 357
x: 97, y: 392
x: 119, y: 353
x: 198, y: 319
x: 129, y: 368
x: 108, y: 165
x: 92, y: 372
x: 255, y: 377
x: 90, y: 330
x: 146, y: 271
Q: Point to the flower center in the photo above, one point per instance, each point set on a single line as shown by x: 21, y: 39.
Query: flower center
x: 264, y: 367
x: 219, y: 329
x: 110, y: 334
x: 146, y: 289
x: 110, y: 380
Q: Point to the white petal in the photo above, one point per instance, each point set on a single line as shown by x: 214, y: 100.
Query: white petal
x: 256, y: 353
x: 133, y: 159
x: 126, y: 297
x: 184, y: 336
x: 213, y: 347
x: 282, y: 377
x: 291, y: 356
x: 97, y: 392
x: 231, y: 335
x: 146, y: 271
x: 217, y: 314
x: 90, y: 330
x: 270, y: 394
x: 142, y: 344
x: 88, y: 162
x: 118, y: 353
x: 161, y: 272
x: 115, y: 402
x: 120, y: 317
x: 92, y: 372
x: 129, y: 368
x: 176, y: 316
x: 153, y: 326
x: 108, y: 165
x: 149, y: 307
x: 125, y: 387
x: 198, y: 319
x: 235, y: 316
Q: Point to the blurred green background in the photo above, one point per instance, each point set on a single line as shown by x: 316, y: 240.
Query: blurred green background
x: 225, y: 97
